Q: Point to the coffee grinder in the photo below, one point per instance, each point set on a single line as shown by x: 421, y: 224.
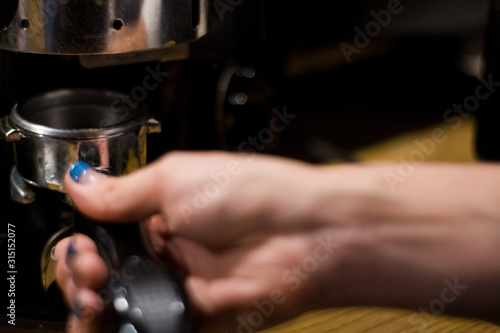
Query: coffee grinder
x: 207, y: 71
x: 67, y: 104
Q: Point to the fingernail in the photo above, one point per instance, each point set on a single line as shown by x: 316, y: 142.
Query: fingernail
x: 82, y: 173
x: 70, y: 252
x: 77, y: 170
x: 77, y: 308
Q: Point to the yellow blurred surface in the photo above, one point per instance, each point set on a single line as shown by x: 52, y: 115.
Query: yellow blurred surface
x: 455, y: 143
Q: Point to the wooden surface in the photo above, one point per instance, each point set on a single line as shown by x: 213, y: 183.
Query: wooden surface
x: 379, y: 320
x: 458, y: 147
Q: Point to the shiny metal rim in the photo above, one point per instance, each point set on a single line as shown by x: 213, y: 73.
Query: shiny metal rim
x: 135, y: 118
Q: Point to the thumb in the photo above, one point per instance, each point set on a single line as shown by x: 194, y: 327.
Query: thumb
x: 129, y: 198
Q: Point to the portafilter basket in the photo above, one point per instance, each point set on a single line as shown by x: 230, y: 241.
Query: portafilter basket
x: 105, y: 129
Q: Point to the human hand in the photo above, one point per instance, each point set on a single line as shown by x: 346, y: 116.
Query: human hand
x: 236, y: 224
x: 262, y: 239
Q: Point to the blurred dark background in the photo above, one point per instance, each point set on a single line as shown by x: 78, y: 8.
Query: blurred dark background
x: 412, y: 69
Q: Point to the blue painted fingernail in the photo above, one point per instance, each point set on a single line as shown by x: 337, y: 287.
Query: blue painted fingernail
x: 70, y: 252
x: 77, y: 308
x: 78, y: 169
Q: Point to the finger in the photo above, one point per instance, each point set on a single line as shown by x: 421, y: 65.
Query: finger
x: 212, y: 296
x: 89, y: 270
x: 129, y: 198
x: 213, y: 282
x: 87, y: 313
x: 64, y: 252
x: 156, y: 232
x: 156, y: 224
x: 79, y: 242
x: 193, y: 257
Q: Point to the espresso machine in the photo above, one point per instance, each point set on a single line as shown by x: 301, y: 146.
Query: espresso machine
x: 95, y: 66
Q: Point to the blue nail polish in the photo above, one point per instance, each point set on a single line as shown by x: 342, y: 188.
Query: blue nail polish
x: 77, y: 308
x: 78, y: 169
x: 70, y: 252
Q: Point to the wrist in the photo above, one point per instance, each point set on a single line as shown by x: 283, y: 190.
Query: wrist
x: 346, y: 195
x: 355, y: 210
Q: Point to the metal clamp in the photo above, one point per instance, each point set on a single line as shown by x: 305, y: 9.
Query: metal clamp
x: 153, y: 126
x: 48, y: 261
x: 7, y: 132
x: 19, y: 191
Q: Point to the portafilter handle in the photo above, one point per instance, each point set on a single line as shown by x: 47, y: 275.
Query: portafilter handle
x: 143, y: 294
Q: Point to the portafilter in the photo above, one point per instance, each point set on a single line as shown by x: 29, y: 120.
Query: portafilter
x: 107, y: 130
